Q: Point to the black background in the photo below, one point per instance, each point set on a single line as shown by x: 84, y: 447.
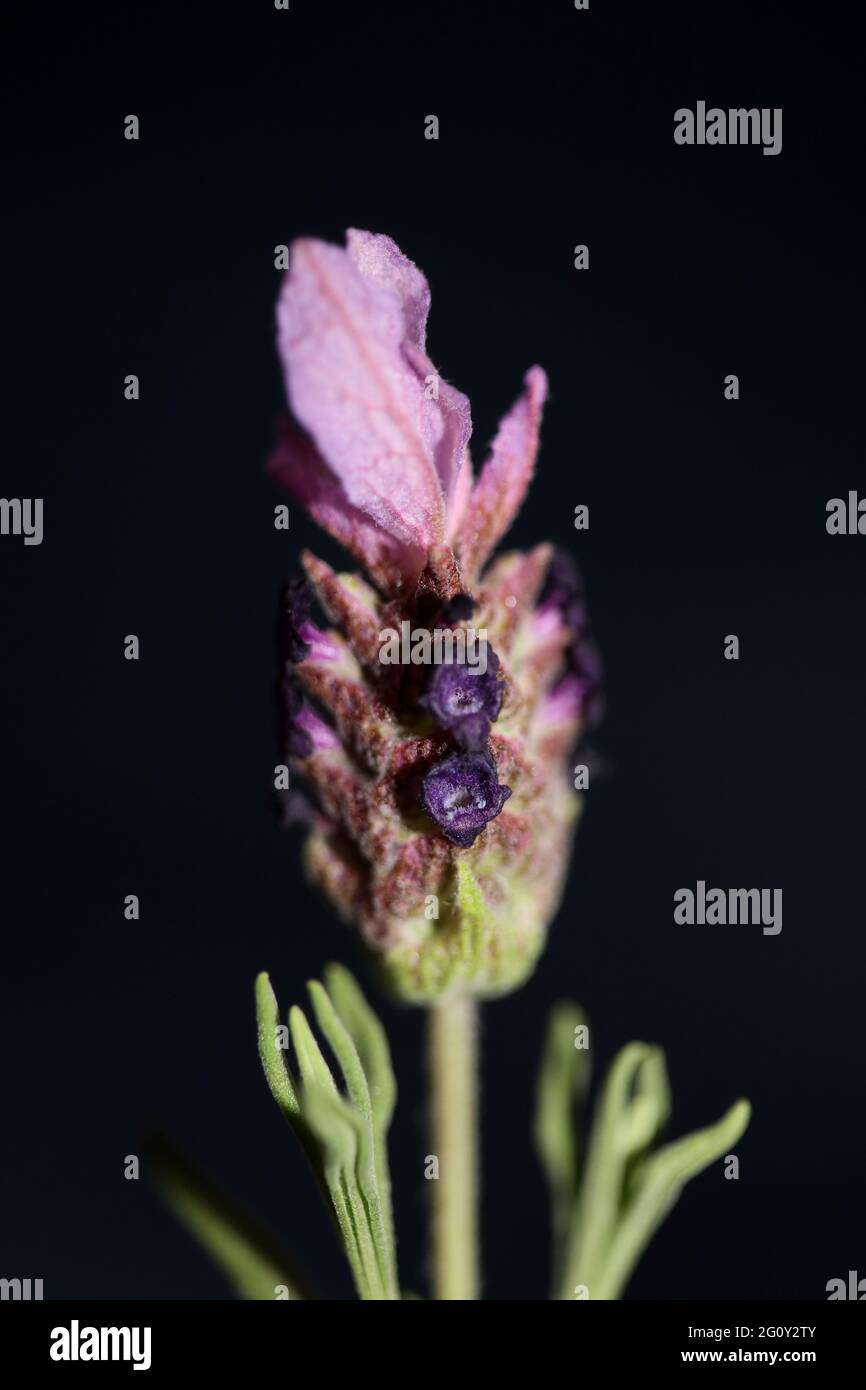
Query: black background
x: 707, y: 518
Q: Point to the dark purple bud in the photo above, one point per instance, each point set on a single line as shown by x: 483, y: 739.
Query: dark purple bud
x: 563, y: 578
x: 296, y: 740
x: 563, y: 591
x: 457, y: 610
x: 461, y: 794
x: 584, y: 660
x: 296, y: 810
x: 471, y: 734
x: 294, y: 618
x: 458, y: 692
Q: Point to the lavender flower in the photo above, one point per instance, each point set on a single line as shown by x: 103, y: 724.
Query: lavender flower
x: 462, y: 794
x: 445, y: 808
x: 465, y: 700
x: 563, y: 596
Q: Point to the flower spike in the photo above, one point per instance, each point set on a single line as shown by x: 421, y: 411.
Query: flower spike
x: 444, y: 806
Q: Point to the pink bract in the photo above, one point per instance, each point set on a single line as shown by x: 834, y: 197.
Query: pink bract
x: 378, y: 449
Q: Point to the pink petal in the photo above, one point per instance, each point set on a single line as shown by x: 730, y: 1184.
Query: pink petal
x: 448, y: 419
x: 505, y: 477
x: 321, y: 734
x: 341, y: 336
x: 460, y: 497
x: 448, y: 426
x: 297, y: 466
x: 380, y: 260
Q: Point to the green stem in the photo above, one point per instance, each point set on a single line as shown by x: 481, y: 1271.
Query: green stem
x: 453, y: 1062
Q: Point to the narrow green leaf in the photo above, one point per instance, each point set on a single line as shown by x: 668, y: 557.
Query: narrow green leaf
x: 314, y: 1069
x: 343, y: 1048
x: 649, y: 1109
x: 338, y: 1145
x: 662, y: 1178
x: 341, y: 1132
x: 563, y: 1079
x: 247, y: 1255
x: 344, y: 1139
x: 371, y: 1041
x: 653, y: 1082
x: 612, y: 1144
x: 365, y: 1169
x: 274, y: 1059
x: 334, y: 1125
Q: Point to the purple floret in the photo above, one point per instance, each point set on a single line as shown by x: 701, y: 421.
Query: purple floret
x: 295, y: 618
x: 471, y: 733
x: 585, y: 663
x: 563, y: 591
x: 464, y: 701
x: 297, y: 741
x: 462, y: 795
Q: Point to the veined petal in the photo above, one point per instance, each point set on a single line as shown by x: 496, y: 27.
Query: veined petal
x: 380, y: 260
x: 451, y: 428
x: 505, y: 477
x: 460, y: 497
x: 447, y: 417
x: 341, y: 335
x: 297, y: 466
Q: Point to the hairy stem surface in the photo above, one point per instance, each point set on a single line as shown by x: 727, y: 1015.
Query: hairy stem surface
x: 453, y: 1064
